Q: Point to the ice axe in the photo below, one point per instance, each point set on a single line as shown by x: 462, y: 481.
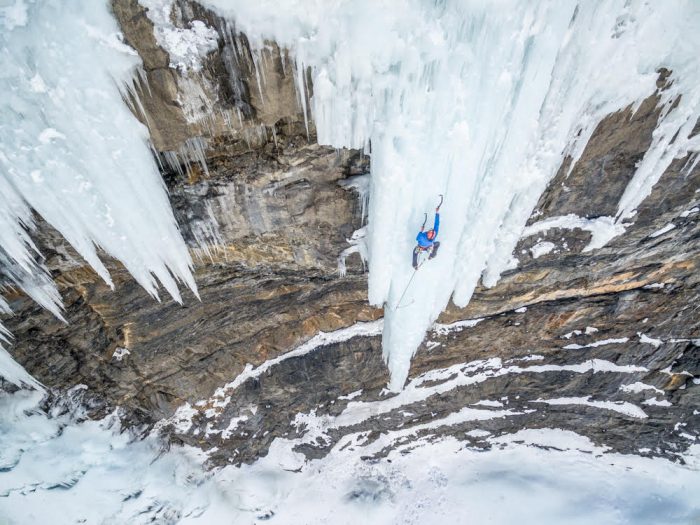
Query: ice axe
x: 438, y: 206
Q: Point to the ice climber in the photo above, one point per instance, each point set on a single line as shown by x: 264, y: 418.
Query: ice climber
x: 426, y: 240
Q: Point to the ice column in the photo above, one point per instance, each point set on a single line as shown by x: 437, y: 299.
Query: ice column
x: 71, y: 151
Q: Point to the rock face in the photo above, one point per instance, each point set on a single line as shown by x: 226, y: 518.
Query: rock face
x: 602, y: 342
x: 233, y: 96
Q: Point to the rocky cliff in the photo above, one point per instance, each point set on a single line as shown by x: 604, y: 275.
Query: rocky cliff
x: 600, y: 341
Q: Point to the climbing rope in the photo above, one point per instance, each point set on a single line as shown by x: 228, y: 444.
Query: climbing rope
x: 398, y: 305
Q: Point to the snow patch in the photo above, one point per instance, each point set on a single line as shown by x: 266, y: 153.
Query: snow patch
x: 551, y: 438
x: 622, y: 407
x: 655, y: 402
x: 360, y: 329
x: 602, y: 229
x: 120, y: 353
x: 531, y: 357
x: 181, y: 420
x: 351, y: 395
x: 596, y: 344
x: 185, y: 47
x: 50, y: 134
x: 443, y: 380
x: 232, y: 426
x: 542, y: 248
x: 568, y: 335
x: 444, y: 329
x: 691, y: 211
x: 663, y: 230
x: 643, y: 338
x: 477, y: 433
x: 638, y: 387
x: 222, y: 396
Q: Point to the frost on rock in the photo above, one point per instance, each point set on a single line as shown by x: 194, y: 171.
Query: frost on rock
x: 359, y: 184
x: 185, y: 46
x: 480, y: 102
x: 71, y: 151
x: 542, y: 248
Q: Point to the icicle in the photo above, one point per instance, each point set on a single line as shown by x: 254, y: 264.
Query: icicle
x: 193, y: 150
x: 670, y: 141
x: 130, y: 95
x: 361, y: 185
x: 207, y: 235
x: 301, y: 92
x: 196, y: 148
x: 173, y: 162
x: 79, y: 158
x: 12, y: 371
x: 283, y: 59
x: 233, y: 43
x: 691, y: 164
x: 253, y: 55
x: 143, y: 77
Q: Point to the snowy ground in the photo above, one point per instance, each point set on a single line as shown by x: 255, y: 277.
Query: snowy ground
x: 474, y: 100
x: 58, y: 471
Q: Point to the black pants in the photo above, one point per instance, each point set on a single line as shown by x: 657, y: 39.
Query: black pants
x: 416, y: 251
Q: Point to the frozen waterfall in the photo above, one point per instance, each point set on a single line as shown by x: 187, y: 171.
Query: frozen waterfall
x: 480, y: 101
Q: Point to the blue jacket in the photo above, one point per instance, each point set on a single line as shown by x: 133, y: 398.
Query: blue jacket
x: 422, y: 237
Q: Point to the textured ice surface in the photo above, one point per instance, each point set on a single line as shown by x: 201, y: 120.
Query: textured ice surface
x: 71, y: 151
x: 480, y: 101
